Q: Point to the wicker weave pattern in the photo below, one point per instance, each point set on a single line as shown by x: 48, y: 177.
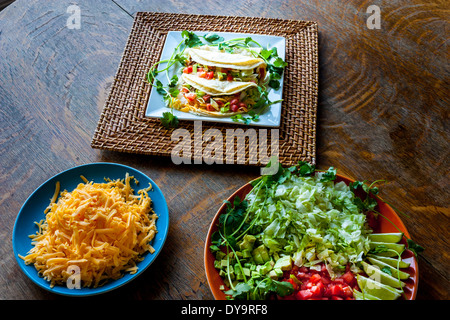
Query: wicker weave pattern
x: 123, y: 126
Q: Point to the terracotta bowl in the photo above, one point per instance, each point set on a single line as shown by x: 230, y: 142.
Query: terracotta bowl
x: 215, y: 281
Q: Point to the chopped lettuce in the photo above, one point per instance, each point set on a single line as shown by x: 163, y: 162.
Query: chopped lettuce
x: 311, y: 220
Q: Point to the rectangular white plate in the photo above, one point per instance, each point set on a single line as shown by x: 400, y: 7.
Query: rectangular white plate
x: 270, y: 118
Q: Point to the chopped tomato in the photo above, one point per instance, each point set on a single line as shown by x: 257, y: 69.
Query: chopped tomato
x: 315, y: 278
x: 187, y: 69
x: 209, y: 107
x: 201, y: 74
x: 185, y: 90
x: 348, y: 277
x: 336, y: 290
x: 191, y: 96
x: 229, y: 77
x: 317, y: 285
x: 209, y: 75
x: 303, y: 294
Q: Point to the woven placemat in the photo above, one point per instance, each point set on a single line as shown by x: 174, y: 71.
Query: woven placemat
x: 123, y: 126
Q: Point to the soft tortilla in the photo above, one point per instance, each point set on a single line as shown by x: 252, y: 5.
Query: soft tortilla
x: 216, y: 58
x: 216, y: 87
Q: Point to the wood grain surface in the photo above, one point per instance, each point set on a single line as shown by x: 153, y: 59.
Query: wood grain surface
x: 383, y: 114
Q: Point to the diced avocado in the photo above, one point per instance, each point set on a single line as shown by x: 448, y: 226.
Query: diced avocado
x: 275, y: 273
x: 246, y: 272
x: 239, y: 273
x: 260, y: 254
x: 223, y: 263
x: 284, y: 263
x: 247, y: 242
x: 247, y: 253
x: 217, y: 264
x: 220, y: 255
x: 264, y: 269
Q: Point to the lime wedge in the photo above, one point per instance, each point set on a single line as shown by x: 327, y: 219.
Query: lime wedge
x: 391, y: 261
x: 377, y: 289
x: 376, y: 274
x: 386, y: 237
x: 395, y: 273
x: 387, y: 249
x: 363, y: 296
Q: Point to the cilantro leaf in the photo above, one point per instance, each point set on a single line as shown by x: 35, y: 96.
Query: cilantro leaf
x: 304, y: 169
x: 191, y: 39
x: 213, y: 38
x: 279, y: 63
x: 274, y: 84
x: 414, y: 247
x: 169, y: 120
x: 330, y: 175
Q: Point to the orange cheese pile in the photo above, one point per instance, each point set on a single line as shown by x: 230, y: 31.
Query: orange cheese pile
x: 102, y: 228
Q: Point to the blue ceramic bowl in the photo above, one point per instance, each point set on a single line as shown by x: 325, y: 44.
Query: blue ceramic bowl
x: 34, y: 206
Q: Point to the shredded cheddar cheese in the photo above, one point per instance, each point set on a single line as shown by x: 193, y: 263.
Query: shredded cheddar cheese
x: 102, y: 228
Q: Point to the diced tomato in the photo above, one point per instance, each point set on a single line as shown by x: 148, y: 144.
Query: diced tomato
x: 316, y: 291
x: 317, y: 285
x: 229, y: 77
x: 209, y: 75
x: 219, y: 102
x: 191, y: 96
x: 188, y: 69
x: 336, y: 290
x: 315, y: 278
x: 206, y: 97
x: 303, y: 294
x: 185, y: 90
x: 209, y: 107
x: 200, y: 69
x: 304, y: 269
x: 347, y: 292
x: 348, y: 277
x: 201, y: 74
x: 242, y: 105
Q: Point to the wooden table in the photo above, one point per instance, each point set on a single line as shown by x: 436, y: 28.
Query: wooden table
x: 382, y: 114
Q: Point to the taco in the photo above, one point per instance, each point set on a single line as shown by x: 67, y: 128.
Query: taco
x: 219, y: 83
